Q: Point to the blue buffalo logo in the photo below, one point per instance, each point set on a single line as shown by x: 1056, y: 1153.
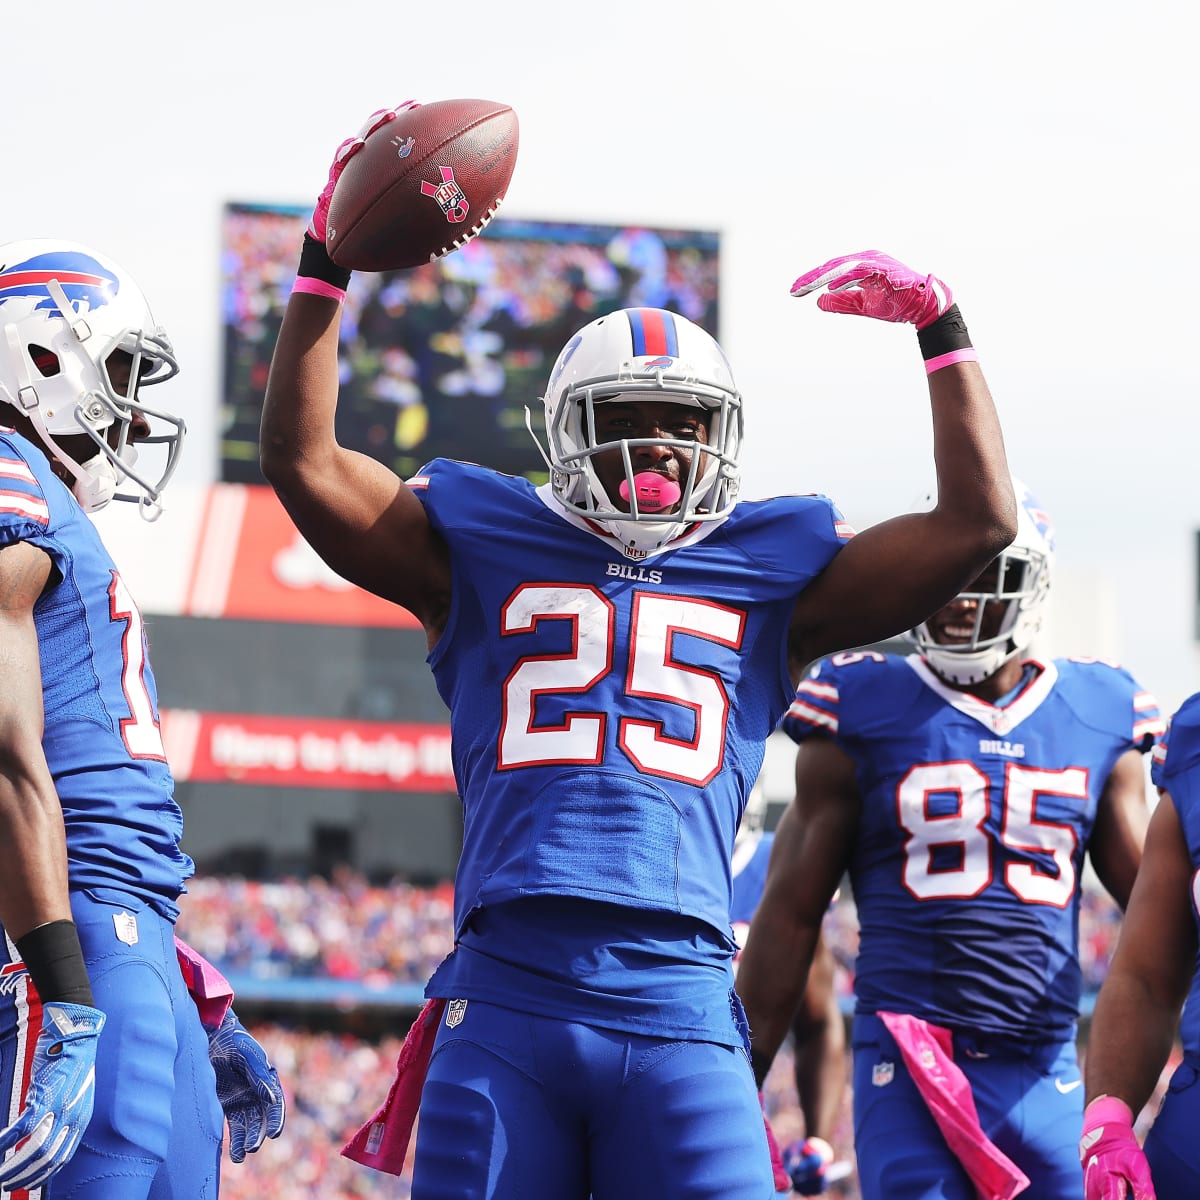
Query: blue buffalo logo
x: 87, y: 284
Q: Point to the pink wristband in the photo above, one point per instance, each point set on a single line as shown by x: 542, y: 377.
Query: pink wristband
x: 967, y: 354
x: 318, y: 287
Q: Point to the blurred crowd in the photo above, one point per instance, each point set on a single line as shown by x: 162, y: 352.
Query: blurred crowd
x: 347, y: 928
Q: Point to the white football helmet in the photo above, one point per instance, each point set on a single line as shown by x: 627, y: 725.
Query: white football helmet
x: 64, y: 311
x: 1022, y: 582
x: 658, y: 355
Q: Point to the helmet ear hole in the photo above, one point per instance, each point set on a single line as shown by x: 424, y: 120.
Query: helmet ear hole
x: 46, y: 361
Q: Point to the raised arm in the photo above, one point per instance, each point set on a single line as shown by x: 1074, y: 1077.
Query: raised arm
x: 358, y: 516
x: 893, y: 575
x: 812, y: 848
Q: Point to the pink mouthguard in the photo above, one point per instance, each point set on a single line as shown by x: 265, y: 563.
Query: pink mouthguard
x: 654, y: 492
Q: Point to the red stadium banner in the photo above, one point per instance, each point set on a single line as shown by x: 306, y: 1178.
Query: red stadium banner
x: 307, y: 752
x: 250, y: 562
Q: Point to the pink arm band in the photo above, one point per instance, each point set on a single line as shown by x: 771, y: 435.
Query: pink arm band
x: 318, y: 287
x: 968, y: 354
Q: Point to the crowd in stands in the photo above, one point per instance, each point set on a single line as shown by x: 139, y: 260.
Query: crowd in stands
x: 346, y: 928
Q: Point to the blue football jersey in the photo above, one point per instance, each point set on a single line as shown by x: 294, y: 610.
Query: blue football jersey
x: 1174, y: 768
x: 751, y: 858
x: 608, y: 719
x: 975, y: 821
x: 102, y: 740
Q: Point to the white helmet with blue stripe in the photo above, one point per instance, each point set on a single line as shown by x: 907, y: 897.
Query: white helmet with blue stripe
x: 65, y: 313
x: 651, y: 354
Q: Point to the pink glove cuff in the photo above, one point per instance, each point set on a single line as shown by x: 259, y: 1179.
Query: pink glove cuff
x: 318, y: 287
x: 1107, y: 1110
x: 968, y: 354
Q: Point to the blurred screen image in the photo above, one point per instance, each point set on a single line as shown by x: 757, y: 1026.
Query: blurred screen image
x: 441, y: 361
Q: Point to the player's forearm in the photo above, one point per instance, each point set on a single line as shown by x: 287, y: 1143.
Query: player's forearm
x: 975, y: 495
x: 33, y: 884
x: 302, y: 390
x: 1128, y: 1042
x: 771, y: 980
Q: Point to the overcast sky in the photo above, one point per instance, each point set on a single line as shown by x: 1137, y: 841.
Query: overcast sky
x: 1038, y: 157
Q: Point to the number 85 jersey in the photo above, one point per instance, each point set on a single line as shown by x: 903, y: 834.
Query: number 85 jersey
x: 975, y: 819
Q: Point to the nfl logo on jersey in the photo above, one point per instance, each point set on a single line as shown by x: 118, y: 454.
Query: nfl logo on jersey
x: 126, y: 927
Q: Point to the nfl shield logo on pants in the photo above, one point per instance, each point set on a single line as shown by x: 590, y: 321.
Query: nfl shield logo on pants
x: 126, y: 926
x: 455, y: 1011
x: 883, y: 1073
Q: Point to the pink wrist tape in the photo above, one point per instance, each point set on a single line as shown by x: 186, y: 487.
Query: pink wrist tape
x: 318, y: 287
x: 967, y: 354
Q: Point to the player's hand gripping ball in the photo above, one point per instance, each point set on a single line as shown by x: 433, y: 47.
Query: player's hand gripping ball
x: 416, y: 183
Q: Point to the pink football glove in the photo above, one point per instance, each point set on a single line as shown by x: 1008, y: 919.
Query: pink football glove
x: 873, y: 285
x: 347, y: 150
x: 1114, y: 1167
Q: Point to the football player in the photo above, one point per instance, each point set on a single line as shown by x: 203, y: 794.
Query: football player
x: 961, y: 788
x: 615, y: 647
x: 105, y: 1074
x: 817, y: 1029
x: 1153, y: 975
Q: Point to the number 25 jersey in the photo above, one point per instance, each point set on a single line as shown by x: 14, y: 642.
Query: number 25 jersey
x: 608, y: 719
x: 975, y: 821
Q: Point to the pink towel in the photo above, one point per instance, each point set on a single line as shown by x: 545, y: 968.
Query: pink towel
x: 783, y: 1181
x: 929, y: 1055
x: 382, y: 1142
x: 211, y: 991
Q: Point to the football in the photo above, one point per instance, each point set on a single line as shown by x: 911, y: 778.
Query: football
x: 422, y: 185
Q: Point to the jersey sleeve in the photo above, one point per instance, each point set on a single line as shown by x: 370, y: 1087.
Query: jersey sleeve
x: 809, y: 531
x: 452, y: 492
x: 1146, y: 722
x: 24, y: 509
x: 1178, y: 750
x: 815, y: 708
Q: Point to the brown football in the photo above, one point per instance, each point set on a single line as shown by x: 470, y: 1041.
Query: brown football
x: 422, y: 185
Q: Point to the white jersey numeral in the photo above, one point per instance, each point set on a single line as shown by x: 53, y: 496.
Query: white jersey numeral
x: 140, y: 730
x: 961, y: 837
x: 653, y: 672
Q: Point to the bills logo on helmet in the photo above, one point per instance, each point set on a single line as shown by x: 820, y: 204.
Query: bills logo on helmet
x: 656, y: 364
x: 452, y: 200
x: 1039, y: 517
x: 88, y: 285
x: 565, y: 357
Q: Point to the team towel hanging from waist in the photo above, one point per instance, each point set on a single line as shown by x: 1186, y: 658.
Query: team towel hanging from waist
x: 382, y: 1142
x: 928, y: 1053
